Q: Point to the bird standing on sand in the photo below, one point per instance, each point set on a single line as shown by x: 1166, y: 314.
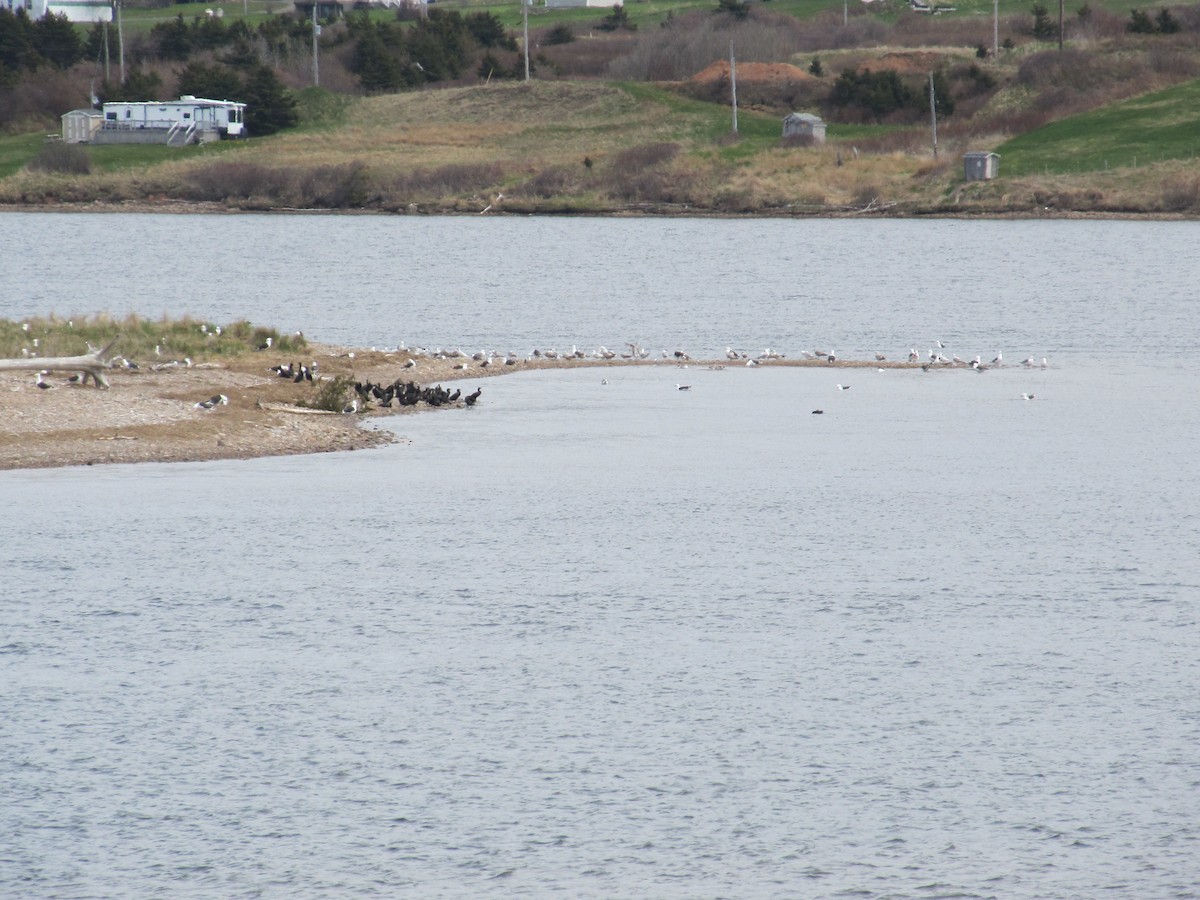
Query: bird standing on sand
x: 214, y: 400
x: 40, y: 380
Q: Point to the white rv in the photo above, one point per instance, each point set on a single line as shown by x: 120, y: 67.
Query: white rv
x: 187, y: 120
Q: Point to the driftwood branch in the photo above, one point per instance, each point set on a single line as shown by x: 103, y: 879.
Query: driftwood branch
x: 94, y: 364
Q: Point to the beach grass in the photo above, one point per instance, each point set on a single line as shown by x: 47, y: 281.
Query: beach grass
x: 140, y: 339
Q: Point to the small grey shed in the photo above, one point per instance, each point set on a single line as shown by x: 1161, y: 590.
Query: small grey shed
x: 804, y: 125
x: 981, y: 165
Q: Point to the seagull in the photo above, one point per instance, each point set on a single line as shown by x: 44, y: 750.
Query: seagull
x: 912, y: 355
x: 42, y: 384
x: 410, y: 364
x: 683, y: 387
x: 843, y: 387
x: 753, y: 362
x: 999, y: 360
x: 604, y: 381
x: 818, y: 412
x: 1027, y: 396
x: 214, y: 400
x: 265, y: 345
x: 730, y: 353
x: 879, y: 357
x: 1027, y: 362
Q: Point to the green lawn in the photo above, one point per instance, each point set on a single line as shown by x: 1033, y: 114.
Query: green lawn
x: 1151, y: 128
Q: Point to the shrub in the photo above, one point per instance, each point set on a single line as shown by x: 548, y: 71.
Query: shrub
x: 68, y: 159
x: 1139, y: 23
x: 644, y: 156
x: 332, y: 395
x: 559, y: 34
x: 873, y: 94
x: 736, y: 8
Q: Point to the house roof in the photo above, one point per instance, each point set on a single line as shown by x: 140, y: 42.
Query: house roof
x: 805, y: 117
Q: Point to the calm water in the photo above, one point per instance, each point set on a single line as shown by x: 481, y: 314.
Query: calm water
x: 615, y: 639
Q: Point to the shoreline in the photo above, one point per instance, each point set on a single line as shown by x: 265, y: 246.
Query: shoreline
x: 152, y: 416
x: 188, y: 207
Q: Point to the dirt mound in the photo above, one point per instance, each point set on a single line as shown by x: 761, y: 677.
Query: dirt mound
x: 758, y: 73
x: 778, y: 86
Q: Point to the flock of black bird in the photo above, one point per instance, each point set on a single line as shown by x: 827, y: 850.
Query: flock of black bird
x: 409, y: 393
x: 399, y: 392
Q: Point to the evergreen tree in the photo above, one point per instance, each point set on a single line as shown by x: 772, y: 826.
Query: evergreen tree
x: 1139, y: 23
x: 212, y: 82
x: 269, y: 106
x: 174, y: 38
x: 17, y: 50
x: 1043, y: 28
x: 943, y: 101
x: 139, y: 87
x: 1167, y: 24
x: 57, y: 41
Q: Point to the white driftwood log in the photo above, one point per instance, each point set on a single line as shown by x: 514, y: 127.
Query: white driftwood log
x: 94, y: 364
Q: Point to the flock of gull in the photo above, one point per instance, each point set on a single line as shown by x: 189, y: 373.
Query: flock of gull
x: 635, y: 352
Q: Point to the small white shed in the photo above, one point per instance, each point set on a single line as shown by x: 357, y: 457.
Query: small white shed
x: 981, y: 165
x: 804, y: 125
x: 79, y: 125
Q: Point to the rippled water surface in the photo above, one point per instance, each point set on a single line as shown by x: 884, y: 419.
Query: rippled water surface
x: 617, y: 639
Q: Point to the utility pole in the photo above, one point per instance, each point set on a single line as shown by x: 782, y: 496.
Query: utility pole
x: 525, y: 39
x: 106, y: 72
x: 120, y: 42
x: 933, y: 113
x: 845, y: 13
x: 316, y: 33
x: 1060, y: 25
x: 995, y: 29
x: 733, y: 85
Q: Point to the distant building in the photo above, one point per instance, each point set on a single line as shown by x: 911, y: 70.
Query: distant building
x: 79, y: 125
x: 804, y: 125
x: 981, y: 165
x: 74, y: 10
x: 564, y: 4
x: 188, y: 120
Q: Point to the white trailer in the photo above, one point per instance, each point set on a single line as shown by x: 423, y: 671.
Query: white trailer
x: 187, y: 120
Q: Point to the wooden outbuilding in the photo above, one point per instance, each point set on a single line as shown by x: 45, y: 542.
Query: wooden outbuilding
x: 79, y: 125
x: 804, y: 125
x: 981, y: 165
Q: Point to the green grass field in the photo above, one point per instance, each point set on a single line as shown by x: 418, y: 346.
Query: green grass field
x: 1147, y: 129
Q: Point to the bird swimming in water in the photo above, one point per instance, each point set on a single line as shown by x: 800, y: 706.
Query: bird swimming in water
x: 472, y: 397
x: 683, y: 387
x: 843, y: 387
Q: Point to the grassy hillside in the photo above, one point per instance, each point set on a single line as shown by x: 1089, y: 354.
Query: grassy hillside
x: 560, y: 147
x: 1156, y: 127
